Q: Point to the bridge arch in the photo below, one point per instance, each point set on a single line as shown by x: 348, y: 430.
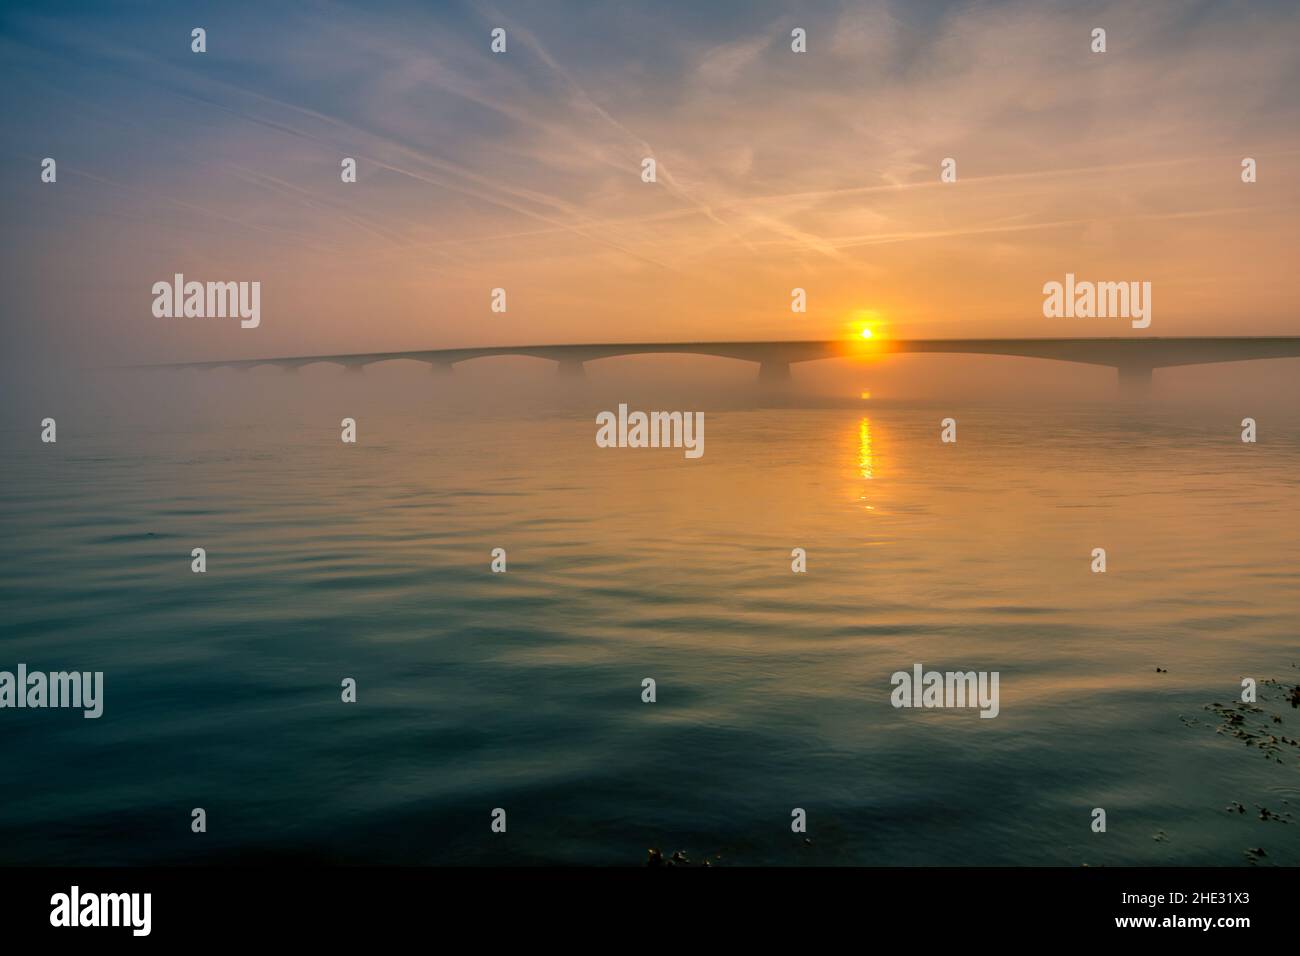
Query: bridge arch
x: 1133, y: 357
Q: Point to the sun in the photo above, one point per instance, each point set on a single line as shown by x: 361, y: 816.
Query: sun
x: 866, y: 325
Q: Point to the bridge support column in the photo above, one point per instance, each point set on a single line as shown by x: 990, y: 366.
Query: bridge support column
x: 354, y: 369
x: 440, y: 368
x: 1134, y: 380
x: 774, y: 373
x: 571, y: 368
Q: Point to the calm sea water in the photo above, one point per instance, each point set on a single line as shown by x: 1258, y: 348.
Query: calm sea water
x: 523, y: 690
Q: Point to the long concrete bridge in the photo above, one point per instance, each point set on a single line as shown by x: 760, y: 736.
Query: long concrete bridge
x: 1134, y: 358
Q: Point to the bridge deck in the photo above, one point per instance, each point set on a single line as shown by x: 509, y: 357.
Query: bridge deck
x: 1139, y: 354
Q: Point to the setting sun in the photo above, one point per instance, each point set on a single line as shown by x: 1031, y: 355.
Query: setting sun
x: 866, y: 325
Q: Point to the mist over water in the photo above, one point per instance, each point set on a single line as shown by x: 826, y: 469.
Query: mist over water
x: 522, y: 690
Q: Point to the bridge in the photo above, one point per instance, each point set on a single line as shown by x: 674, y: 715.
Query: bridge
x: 1133, y: 358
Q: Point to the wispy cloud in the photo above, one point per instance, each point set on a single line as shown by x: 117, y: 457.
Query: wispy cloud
x: 775, y: 168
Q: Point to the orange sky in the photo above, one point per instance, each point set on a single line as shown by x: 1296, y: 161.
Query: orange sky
x: 776, y: 170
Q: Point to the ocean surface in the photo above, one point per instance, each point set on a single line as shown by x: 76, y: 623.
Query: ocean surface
x: 523, y: 690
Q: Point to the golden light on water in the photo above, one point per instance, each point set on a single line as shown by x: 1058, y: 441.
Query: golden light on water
x: 864, y: 455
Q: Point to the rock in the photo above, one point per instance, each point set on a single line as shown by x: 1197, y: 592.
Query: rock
x: 654, y: 858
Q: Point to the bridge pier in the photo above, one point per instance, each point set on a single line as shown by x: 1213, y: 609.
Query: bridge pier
x: 1134, y: 380
x: 440, y: 368
x: 353, y: 368
x: 571, y: 368
x: 773, y: 373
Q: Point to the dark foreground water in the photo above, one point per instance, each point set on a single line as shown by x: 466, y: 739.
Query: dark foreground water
x: 523, y: 690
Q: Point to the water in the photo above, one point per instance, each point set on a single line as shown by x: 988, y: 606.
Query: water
x: 523, y: 690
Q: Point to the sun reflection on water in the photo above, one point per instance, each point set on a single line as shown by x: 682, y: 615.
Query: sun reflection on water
x: 864, y: 455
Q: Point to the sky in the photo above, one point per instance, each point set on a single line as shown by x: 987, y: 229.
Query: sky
x: 522, y: 171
